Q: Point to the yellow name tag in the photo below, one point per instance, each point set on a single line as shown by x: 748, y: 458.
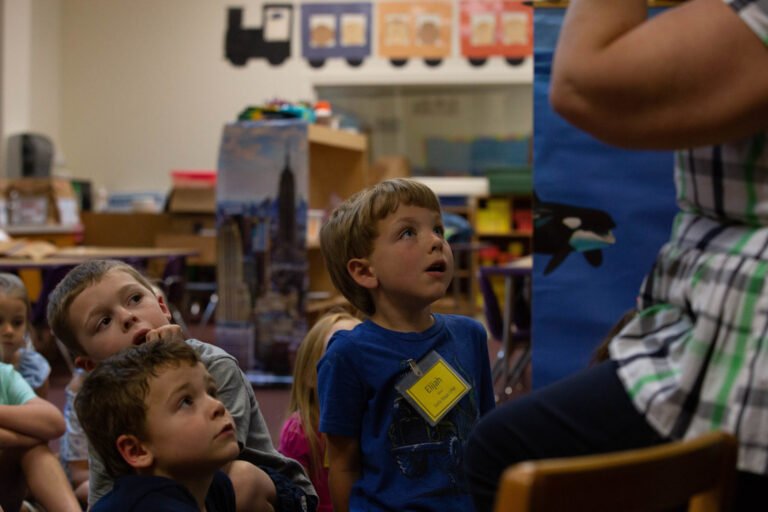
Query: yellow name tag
x: 436, y: 390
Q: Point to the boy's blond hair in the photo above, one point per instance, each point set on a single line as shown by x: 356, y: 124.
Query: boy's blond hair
x: 351, y: 230
x: 78, y: 279
x: 111, y: 401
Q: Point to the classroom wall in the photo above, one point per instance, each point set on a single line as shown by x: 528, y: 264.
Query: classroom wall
x: 131, y: 89
x: 29, y: 68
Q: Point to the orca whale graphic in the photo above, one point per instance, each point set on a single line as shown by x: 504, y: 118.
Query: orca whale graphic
x: 560, y: 229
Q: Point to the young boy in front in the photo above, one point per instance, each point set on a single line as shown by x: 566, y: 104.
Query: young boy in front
x: 152, y: 415
x: 104, y: 306
x: 400, y: 392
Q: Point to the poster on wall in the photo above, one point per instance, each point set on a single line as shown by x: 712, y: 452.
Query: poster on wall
x: 341, y: 30
x: 490, y: 28
x: 600, y: 215
x: 419, y: 29
x: 261, y: 217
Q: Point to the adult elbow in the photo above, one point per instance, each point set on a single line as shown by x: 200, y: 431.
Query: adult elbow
x: 588, y: 114
x: 565, y: 100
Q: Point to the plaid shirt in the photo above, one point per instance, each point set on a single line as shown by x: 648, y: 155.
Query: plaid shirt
x: 695, y: 358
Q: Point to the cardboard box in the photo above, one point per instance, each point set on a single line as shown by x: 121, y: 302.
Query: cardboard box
x: 192, y: 200
x: 40, y: 201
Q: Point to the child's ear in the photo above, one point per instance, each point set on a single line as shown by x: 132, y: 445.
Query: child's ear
x: 164, y: 307
x: 361, y: 271
x: 134, y: 452
x: 85, y: 363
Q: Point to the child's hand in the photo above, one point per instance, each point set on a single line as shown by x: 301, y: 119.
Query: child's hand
x: 170, y: 332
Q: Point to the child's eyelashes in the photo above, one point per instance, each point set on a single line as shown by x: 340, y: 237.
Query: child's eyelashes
x: 15, y: 322
x: 186, y: 401
x: 103, y: 323
x: 411, y: 232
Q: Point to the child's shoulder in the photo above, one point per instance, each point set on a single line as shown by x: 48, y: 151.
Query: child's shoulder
x: 208, y: 351
x: 351, y: 338
x: 219, y: 363
x: 460, y: 322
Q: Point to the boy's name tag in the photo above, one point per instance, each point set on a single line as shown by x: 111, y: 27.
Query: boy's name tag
x: 432, y: 387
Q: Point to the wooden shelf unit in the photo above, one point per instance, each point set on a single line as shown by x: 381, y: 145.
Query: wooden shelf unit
x: 463, y: 295
x: 338, y: 167
x: 510, y: 236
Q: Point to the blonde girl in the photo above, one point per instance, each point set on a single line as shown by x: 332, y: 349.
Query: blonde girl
x: 297, y: 440
x: 15, y: 344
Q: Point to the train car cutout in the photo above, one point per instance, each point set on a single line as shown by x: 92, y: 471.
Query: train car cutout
x: 415, y: 29
x: 490, y: 28
x: 336, y: 31
x: 271, y: 41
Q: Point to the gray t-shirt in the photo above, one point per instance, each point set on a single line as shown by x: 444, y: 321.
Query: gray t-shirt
x: 236, y: 393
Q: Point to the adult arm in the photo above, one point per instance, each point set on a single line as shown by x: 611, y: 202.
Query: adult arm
x: 344, y: 469
x: 36, y: 418
x: 695, y: 74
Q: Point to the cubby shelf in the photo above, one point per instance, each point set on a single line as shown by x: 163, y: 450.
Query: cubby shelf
x: 338, y: 167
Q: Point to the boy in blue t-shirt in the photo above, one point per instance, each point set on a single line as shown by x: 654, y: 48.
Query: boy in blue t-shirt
x: 399, y: 393
x: 152, y: 415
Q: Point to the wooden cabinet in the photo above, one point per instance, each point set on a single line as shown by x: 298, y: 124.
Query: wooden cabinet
x: 338, y: 167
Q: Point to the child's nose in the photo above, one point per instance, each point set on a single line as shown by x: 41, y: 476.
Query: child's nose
x: 218, y: 408
x: 128, y: 319
x: 436, y: 242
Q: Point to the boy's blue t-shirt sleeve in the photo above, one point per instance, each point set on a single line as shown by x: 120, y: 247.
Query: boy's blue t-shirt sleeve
x: 339, y: 387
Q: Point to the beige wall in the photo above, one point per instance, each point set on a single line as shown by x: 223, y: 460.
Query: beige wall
x: 29, y: 68
x: 130, y: 89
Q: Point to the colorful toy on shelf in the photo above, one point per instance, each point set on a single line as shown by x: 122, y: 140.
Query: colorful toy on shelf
x: 278, y: 109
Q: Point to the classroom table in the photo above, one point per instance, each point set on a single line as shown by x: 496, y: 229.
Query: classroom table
x: 55, y: 266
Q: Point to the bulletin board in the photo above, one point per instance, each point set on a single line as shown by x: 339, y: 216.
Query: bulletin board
x: 600, y: 214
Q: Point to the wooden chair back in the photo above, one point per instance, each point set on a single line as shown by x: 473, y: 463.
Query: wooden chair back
x: 699, y: 472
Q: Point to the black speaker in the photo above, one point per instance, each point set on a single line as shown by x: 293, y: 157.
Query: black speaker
x: 30, y: 155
